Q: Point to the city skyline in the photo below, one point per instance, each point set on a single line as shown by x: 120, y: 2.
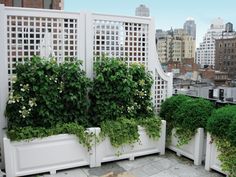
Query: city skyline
x: 167, y: 14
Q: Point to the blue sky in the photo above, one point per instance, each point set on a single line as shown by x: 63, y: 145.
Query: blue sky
x: 167, y: 13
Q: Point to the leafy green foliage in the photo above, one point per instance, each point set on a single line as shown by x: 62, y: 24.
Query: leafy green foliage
x: 142, y: 95
x: 152, y: 126
x: 222, y: 123
x: 191, y: 115
x: 120, y: 91
x: 121, y: 131
x: 227, y: 156
x: 29, y: 133
x: 168, y: 109
x: 46, y: 93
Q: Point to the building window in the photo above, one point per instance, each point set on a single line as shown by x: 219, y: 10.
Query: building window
x: 17, y: 3
x: 47, y: 4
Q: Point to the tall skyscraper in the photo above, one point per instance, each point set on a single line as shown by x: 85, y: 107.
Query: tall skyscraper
x: 142, y: 10
x: 43, y: 4
x: 206, y: 51
x: 190, y: 27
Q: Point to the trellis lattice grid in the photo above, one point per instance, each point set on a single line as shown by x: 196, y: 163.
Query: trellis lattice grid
x: 43, y: 36
x: 128, y: 41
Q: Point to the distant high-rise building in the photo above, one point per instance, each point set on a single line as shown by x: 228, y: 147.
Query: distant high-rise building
x: 43, y: 4
x: 225, y: 56
x: 225, y: 59
x: 190, y: 27
x: 174, y: 45
x: 206, y: 52
x: 142, y: 10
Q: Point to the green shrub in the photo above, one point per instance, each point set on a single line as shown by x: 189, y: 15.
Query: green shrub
x: 220, y: 121
x: 111, y: 95
x: 142, y: 94
x: 46, y: 93
x: 169, y: 107
x: 191, y: 115
x: 119, y: 91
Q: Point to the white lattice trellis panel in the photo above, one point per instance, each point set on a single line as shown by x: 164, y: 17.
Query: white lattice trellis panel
x: 125, y: 40
x: 43, y: 36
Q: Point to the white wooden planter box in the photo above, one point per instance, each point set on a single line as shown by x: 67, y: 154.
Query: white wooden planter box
x: 212, y: 161
x: 106, y: 152
x: 64, y: 151
x: 193, y: 150
x: 45, y: 155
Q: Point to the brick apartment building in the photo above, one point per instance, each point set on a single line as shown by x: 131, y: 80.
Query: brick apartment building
x: 44, y: 4
x: 225, y: 58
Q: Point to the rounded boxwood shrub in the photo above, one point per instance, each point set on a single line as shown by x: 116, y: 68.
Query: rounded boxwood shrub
x: 191, y: 115
x: 220, y: 122
x: 45, y: 93
x: 222, y: 127
x: 168, y: 109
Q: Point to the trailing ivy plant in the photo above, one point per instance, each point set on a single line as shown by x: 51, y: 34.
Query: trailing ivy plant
x: 45, y: 93
x: 191, y: 115
x: 29, y: 133
x: 121, y: 131
x: 152, y: 126
x: 168, y: 109
x: 222, y: 127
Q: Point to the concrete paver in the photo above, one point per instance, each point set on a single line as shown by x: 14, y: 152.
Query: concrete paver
x: 168, y: 165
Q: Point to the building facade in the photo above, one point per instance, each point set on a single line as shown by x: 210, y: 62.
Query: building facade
x: 190, y: 27
x: 205, y: 55
x: 142, y: 11
x: 43, y: 4
x: 174, y: 45
x: 225, y: 58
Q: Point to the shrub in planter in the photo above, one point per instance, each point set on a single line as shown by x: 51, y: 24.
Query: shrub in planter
x: 191, y: 115
x: 142, y: 94
x: 120, y: 91
x: 222, y: 127
x: 46, y: 93
x: 113, y: 87
x: 169, y: 107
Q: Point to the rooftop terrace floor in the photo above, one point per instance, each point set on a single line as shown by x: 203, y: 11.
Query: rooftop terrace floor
x: 168, y: 165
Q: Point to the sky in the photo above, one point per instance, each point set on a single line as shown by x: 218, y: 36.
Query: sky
x: 167, y: 13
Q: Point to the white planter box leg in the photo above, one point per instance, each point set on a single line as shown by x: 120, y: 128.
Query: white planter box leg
x: 193, y: 150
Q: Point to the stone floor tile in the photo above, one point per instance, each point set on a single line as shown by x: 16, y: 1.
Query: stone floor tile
x: 164, y: 173
x: 138, y: 172
x: 150, y: 169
